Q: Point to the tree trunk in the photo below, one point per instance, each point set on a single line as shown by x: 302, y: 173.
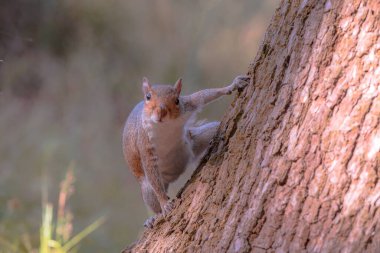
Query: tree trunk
x: 295, y: 165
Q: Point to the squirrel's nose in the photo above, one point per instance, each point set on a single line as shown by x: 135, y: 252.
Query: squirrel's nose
x: 163, y: 111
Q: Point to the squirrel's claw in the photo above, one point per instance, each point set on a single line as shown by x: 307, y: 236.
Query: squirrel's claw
x: 149, y: 222
x: 168, y: 207
x: 239, y: 83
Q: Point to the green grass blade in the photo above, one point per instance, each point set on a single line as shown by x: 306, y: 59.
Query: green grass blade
x: 85, y: 232
x: 46, y: 228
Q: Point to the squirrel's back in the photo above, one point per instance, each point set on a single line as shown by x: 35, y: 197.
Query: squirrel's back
x: 131, y: 132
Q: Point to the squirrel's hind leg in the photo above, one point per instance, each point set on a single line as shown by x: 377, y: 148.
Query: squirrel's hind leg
x: 152, y: 202
x: 201, y: 136
x: 149, y: 196
x: 150, y: 199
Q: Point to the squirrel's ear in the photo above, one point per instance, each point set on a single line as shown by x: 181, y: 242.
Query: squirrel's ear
x: 145, y: 85
x: 178, y: 86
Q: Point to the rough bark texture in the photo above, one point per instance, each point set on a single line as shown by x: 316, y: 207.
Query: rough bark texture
x: 295, y: 165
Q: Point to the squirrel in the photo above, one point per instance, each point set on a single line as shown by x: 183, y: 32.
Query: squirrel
x: 160, y: 138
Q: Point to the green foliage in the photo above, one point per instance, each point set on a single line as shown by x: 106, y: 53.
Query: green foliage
x: 55, y: 235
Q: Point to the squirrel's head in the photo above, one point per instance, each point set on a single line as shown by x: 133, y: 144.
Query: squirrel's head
x: 162, y: 102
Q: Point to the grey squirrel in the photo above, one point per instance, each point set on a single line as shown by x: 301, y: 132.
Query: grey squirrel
x: 160, y: 139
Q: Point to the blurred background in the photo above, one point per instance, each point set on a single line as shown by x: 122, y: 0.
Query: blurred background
x: 70, y: 73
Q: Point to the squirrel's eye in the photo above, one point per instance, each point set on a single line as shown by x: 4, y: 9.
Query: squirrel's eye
x: 148, y: 96
x: 177, y: 101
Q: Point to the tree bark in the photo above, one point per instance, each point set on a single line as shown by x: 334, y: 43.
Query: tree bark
x: 295, y: 164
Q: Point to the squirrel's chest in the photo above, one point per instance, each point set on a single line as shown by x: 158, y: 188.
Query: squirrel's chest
x: 172, y: 147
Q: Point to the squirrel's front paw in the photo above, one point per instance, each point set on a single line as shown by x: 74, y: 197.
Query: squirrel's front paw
x: 167, y: 208
x: 149, y: 222
x: 240, y: 82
